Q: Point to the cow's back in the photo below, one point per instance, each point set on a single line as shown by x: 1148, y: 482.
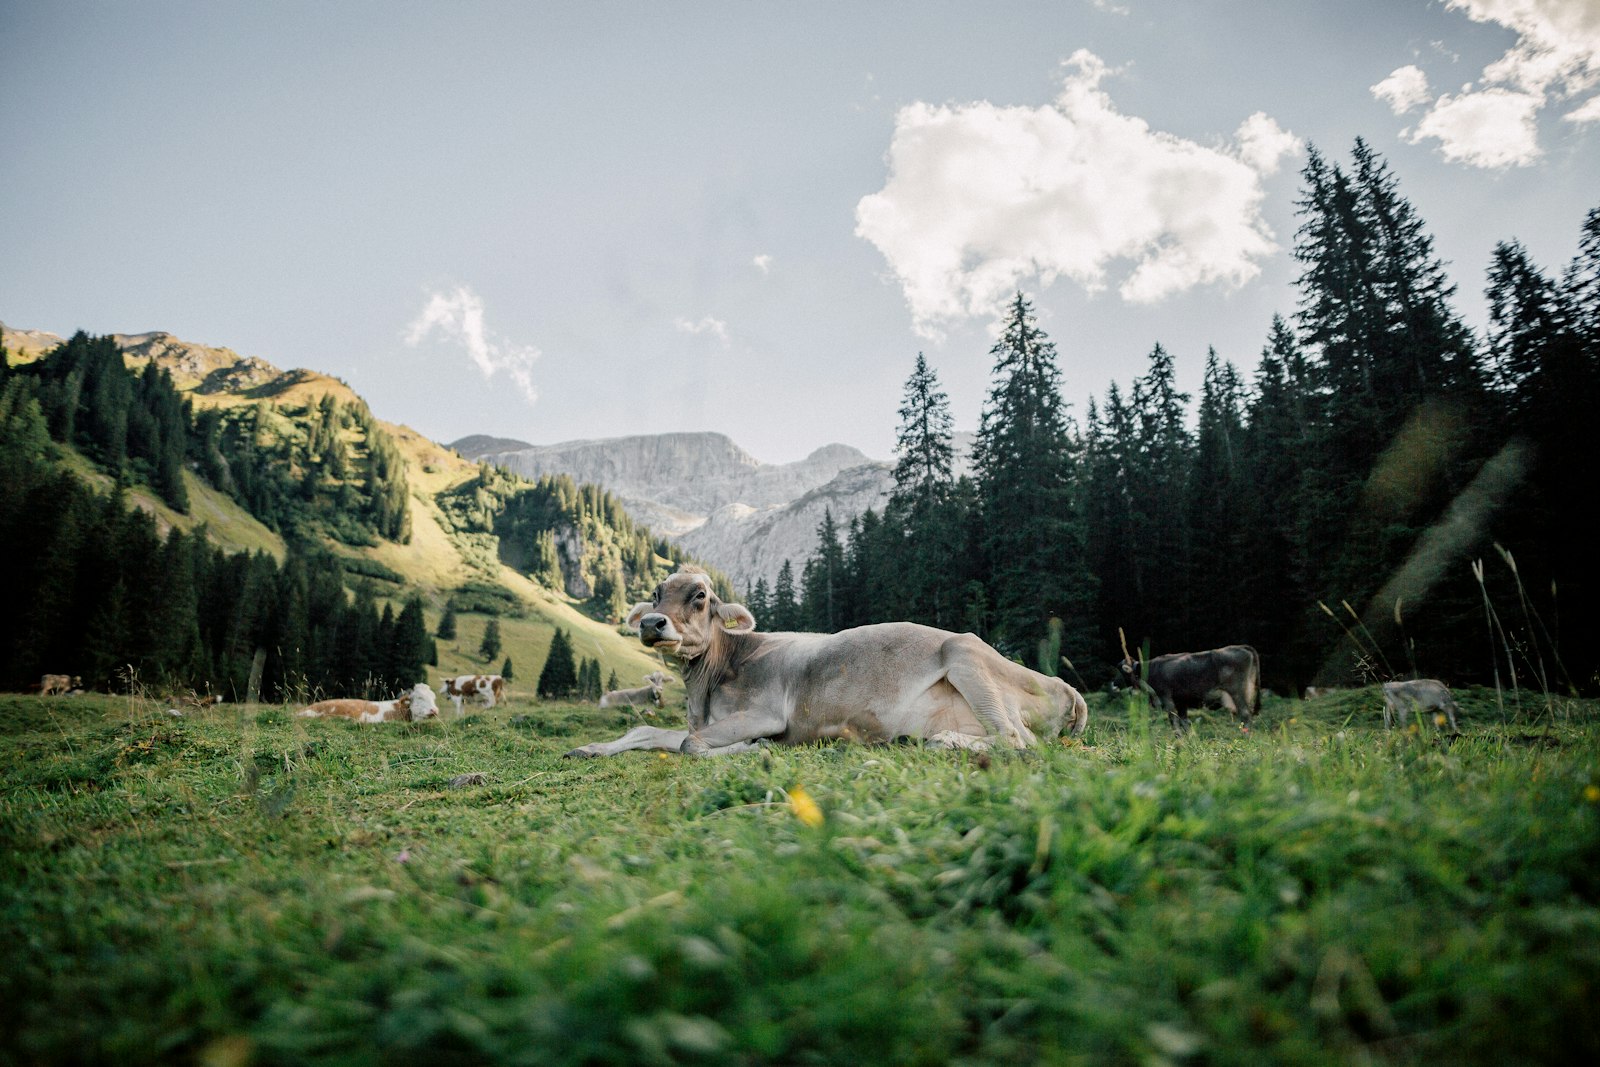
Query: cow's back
x: 889, y: 680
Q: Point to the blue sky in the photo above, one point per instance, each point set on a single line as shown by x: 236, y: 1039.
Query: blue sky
x: 553, y: 221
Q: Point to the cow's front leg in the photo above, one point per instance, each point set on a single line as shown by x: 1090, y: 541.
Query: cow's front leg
x: 646, y: 737
x: 742, y: 727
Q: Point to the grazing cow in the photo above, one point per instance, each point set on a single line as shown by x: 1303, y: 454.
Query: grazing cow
x: 1425, y: 694
x: 412, y: 707
x: 1184, y: 680
x: 59, y: 683
x: 873, y: 683
x: 649, y: 693
x: 489, y: 688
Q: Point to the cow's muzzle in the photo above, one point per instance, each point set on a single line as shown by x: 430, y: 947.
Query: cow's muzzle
x: 656, y: 628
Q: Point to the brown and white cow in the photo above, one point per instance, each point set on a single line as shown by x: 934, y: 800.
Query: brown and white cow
x: 489, y: 688
x: 59, y: 683
x: 414, y: 706
x: 649, y: 693
x: 872, y: 683
x: 1424, y: 694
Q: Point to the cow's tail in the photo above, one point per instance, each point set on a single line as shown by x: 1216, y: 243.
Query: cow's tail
x: 1252, y: 684
x: 1079, y: 718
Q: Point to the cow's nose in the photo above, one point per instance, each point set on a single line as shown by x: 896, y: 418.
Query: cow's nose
x: 652, y: 623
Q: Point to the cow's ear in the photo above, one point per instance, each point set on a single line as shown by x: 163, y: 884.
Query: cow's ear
x: 639, y: 611
x: 736, y: 617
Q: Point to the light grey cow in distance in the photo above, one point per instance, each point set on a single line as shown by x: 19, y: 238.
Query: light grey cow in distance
x: 872, y: 683
x: 1425, y: 694
x: 649, y: 693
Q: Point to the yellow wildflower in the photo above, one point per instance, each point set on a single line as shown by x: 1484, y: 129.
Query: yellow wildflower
x: 805, y: 809
x: 1591, y: 793
x: 1438, y: 718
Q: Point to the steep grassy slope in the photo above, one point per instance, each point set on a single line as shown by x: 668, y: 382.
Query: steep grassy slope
x: 227, y: 524
x: 297, y: 419
x: 432, y: 562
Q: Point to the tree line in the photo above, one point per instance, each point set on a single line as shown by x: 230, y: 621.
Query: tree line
x: 99, y: 592
x: 1329, y: 511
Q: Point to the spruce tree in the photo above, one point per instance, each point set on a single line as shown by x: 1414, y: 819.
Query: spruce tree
x: 824, y: 575
x: 505, y: 670
x: 447, y: 624
x: 1214, y: 510
x: 1032, y: 536
x: 785, y: 608
x: 759, y: 603
x: 490, y: 647
x: 559, y: 678
x: 914, y: 577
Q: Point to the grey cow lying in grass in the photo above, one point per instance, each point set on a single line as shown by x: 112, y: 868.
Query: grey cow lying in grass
x: 872, y: 683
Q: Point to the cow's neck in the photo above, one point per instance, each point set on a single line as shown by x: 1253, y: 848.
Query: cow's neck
x: 705, y: 673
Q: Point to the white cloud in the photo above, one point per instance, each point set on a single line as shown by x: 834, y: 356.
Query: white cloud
x: 763, y: 263
x: 1403, y: 90
x: 1558, y: 43
x: 715, y: 327
x: 457, y: 317
x: 1588, y: 111
x: 1495, y: 124
x: 1487, y: 128
x: 981, y: 197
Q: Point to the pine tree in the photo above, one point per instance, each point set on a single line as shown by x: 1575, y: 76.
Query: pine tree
x: 1025, y: 461
x: 1214, y: 510
x: 505, y: 670
x: 559, y: 678
x: 411, y: 645
x: 785, y: 608
x: 922, y: 472
x: 823, y: 578
x: 914, y: 577
x: 759, y: 603
x: 612, y: 682
x: 490, y: 647
x: 447, y: 624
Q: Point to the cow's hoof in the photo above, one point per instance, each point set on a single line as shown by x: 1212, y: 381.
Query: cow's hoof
x: 581, y: 753
x: 693, y: 746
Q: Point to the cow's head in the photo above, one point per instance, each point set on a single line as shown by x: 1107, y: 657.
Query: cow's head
x: 423, y: 705
x: 684, y: 615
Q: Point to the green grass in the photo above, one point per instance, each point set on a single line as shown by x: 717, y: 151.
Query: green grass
x: 242, y: 886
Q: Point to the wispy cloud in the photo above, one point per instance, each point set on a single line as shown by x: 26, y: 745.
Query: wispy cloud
x: 715, y: 327
x: 980, y: 197
x: 456, y: 317
x: 1403, y: 90
x: 1494, y: 123
x: 763, y: 263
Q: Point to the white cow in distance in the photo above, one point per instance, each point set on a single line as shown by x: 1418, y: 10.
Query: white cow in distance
x: 414, y: 706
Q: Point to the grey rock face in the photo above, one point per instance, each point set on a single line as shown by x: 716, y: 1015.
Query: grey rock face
x: 725, y: 507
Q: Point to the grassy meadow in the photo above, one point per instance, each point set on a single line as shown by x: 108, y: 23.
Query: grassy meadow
x: 238, y: 886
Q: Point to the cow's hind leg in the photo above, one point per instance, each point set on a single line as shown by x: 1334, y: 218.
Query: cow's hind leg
x: 955, y: 739
x: 968, y: 675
